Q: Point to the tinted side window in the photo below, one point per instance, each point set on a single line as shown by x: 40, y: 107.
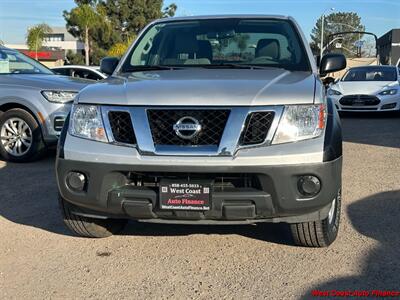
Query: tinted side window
x: 87, y: 74
x: 62, y: 71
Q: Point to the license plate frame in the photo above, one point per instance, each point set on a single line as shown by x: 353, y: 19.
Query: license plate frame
x: 192, y: 195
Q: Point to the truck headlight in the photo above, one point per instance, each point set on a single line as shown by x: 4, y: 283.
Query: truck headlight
x: 388, y: 92
x: 86, y: 122
x: 300, y: 122
x: 59, y: 96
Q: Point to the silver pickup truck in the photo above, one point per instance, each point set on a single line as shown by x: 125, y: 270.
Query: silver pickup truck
x: 206, y: 120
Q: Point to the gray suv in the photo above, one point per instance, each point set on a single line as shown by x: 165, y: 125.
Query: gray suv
x: 34, y: 103
x: 206, y: 120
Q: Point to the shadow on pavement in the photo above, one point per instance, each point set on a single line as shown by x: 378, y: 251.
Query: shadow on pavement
x: 380, y: 129
x: 29, y: 197
x: 271, y: 233
x: 376, y: 217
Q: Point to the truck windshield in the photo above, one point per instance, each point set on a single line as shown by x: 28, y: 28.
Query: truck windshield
x: 219, y: 43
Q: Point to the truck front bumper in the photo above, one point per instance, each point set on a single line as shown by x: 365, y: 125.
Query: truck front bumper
x: 110, y: 192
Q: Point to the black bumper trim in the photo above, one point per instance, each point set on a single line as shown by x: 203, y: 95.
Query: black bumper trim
x: 109, y: 193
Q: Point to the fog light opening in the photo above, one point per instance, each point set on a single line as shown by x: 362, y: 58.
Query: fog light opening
x: 389, y: 106
x: 76, y: 181
x: 309, y: 185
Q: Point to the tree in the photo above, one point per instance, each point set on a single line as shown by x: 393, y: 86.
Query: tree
x: 120, y: 19
x: 131, y: 16
x: 74, y: 58
x: 85, y: 17
x: 35, y: 37
x: 170, y: 10
x: 334, y: 23
x: 89, y: 2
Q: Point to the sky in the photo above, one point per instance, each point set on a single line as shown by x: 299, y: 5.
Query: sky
x: 379, y: 16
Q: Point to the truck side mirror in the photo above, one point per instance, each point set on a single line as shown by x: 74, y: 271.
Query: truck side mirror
x: 332, y: 63
x: 108, y: 65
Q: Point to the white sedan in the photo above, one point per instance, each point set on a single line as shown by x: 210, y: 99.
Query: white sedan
x: 369, y: 88
x: 78, y: 71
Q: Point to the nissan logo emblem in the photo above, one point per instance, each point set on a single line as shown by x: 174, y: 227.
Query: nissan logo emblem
x: 187, y: 128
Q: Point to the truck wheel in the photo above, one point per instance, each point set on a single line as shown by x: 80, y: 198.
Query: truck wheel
x: 319, y: 233
x: 89, y: 227
x: 20, y: 136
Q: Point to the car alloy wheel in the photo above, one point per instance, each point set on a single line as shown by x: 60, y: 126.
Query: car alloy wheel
x: 16, y: 136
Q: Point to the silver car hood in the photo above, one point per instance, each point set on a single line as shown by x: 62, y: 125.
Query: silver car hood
x: 361, y: 87
x: 44, y: 82
x: 206, y: 87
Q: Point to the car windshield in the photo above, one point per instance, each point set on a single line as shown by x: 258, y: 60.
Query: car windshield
x: 14, y: 62
x: 214, y: 43
x: 371, y: 74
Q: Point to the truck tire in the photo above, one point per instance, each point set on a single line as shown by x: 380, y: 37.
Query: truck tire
x: 319, y: 233
x: 20, y: 136
x: 89, y: 227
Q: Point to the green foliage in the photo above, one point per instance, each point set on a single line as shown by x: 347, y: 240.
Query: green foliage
x: 334, y: 23
x: 75, y: 58
x: 119, y: 49
x: 80, y: 18
x: 170, y: 10
x: 36, y: 35
x: 82, y: 2
x: 118, y: 19
x: 81, y: 21
x: 132, y: 15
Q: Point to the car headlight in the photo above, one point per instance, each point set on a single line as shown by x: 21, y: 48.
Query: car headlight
x: 334, y: 92
x: 86, y: 122
x: 388, y: 92
x: 59, y: 96
x: 300, y: 122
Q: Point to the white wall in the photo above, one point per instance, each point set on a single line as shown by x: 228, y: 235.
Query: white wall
x: 65, y: 45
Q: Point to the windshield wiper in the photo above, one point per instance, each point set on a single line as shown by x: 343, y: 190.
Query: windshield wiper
x: 149, y: 68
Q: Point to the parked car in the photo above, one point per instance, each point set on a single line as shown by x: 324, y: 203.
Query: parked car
x: 92, y: 73
x: 369, y: 88
x: 34, y: 103
x: 187, y: 133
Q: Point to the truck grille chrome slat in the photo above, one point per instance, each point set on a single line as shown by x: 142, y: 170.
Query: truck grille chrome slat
x: 190, y: 131
x: 212, y: 124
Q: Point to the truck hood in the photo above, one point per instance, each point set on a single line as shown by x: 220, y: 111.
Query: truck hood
x: 206, y: 87
x: 44, y: 82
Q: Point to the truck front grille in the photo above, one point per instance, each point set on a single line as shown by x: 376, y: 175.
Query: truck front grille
x: 121, y: 127
x: 212, y: 121
x: 257, y: 127
x: 359, y: 100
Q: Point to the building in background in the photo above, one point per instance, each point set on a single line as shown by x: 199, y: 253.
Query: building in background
x: 389, y: 47
x: 60, y: 38
x: 56, y: 45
